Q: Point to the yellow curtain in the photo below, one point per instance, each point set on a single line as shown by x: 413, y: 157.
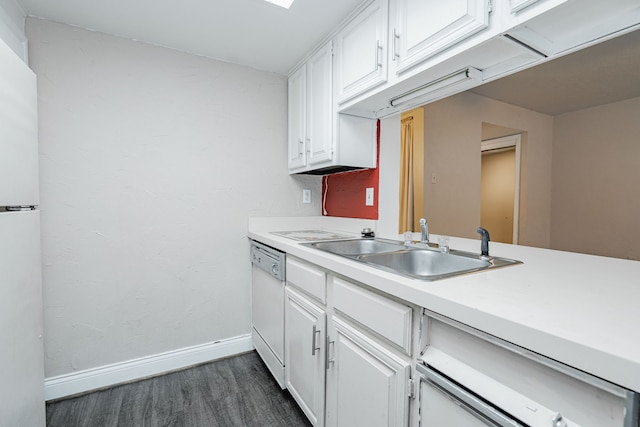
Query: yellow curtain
x: 406, y: 176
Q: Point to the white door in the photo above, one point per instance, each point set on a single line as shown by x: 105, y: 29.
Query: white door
x: 361, y: 54
x: 424, y: 28
x: 320, y: 106
x: 305, y: 354
x: 367, y: 384
x: 18, y: 131
x: 21, y: 353
x: 297, y: 88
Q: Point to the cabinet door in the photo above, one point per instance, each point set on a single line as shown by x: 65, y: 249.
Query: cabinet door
x: 518, y: 5
x: 361, y: 54
x: 543, y: 26
x: 424, y: 28
x: 305, y: 354
x: 367, y: 384
x: 297, y: 88
x: 319, y: 106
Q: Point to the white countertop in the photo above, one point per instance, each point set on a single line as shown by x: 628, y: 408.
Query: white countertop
x: 581, y: 310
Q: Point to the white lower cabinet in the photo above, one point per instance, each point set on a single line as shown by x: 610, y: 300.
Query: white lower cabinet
x: 354, y: 356
x: 358, y: 357
x: 305, y: 333
x: 366, y: 382
x: 345, y: 367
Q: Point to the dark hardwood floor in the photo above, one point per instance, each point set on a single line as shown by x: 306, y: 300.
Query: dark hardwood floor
x: 238, y: 391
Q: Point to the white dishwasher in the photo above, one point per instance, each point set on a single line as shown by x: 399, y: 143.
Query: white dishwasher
x: 267, y: 307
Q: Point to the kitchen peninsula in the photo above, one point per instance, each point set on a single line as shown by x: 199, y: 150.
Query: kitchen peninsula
x: 579, y: 310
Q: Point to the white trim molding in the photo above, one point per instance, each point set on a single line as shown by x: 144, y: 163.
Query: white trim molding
x: 105, y: 376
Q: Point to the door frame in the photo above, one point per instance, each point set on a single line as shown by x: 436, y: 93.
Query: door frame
x: 498, y: 144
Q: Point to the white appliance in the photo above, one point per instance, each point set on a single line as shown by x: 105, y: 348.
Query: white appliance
x: 21, y: 350
x: 267, y: 307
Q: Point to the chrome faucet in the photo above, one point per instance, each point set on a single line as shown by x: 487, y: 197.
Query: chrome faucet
x: 424, y: 231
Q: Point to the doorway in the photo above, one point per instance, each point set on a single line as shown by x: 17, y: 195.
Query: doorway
x: 500, y: 188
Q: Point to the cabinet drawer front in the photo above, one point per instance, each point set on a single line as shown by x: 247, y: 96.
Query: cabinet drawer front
x: 308, y: 278
x: 388, y: 318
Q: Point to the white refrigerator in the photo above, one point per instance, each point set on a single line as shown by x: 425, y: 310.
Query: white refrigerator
x: 21, y: 349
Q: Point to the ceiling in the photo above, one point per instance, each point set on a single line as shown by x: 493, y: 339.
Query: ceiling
x: 267, y: 37
x: 601, y: 74
x: 247, y: 32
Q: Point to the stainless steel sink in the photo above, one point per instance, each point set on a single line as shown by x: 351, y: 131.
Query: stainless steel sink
x: 415, y: 261
x: 356, y: 247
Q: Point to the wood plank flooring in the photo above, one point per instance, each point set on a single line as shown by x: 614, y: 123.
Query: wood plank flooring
x: 238, y: 391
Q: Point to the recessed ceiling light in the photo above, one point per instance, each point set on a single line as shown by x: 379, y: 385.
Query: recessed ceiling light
x: 282, y: 3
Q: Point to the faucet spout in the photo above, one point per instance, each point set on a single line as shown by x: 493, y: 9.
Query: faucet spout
x: 424, y: 231
x: 484, y: 246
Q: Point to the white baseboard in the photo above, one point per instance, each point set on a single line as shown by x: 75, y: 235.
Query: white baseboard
x: 105, y: 376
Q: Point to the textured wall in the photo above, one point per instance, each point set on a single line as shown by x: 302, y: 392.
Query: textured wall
x: 151, y: 162
x: 453, y: 131
x: 595, y: 202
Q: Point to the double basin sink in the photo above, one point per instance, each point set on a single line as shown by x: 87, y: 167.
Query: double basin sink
x: 414, y: 260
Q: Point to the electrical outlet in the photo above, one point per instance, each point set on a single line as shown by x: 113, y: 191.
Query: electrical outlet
x: 306, y: 195
x: 369, y: 197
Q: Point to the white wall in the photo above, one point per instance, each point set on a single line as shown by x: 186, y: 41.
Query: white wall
x: 152, y: 160
x: 12, y: 27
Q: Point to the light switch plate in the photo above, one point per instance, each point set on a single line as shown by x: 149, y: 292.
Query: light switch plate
x: 306, y: 195
x: 369, y: 197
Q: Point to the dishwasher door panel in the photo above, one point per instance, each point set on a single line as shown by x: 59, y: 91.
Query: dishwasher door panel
x: 267, y: 309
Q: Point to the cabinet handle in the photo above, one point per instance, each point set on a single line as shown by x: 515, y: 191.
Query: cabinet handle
x: 378, y: 50
x: 300, y: 147
x: 558, y: 421
x: 314, y: 345
x: 327, y: 360
x: 396, y: 37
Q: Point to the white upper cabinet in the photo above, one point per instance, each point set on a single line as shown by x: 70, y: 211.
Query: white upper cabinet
x: 297, y: 90
x: 320, y: 106
x: 557, y: 26
x: 422, y: 28
x: 361, y: 52
x: 518, y: 5
x: 310, y: 125
x: 320, y: 140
